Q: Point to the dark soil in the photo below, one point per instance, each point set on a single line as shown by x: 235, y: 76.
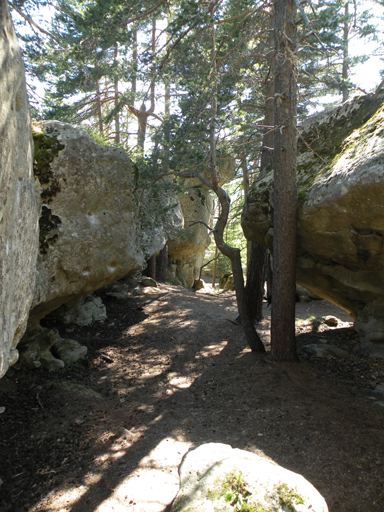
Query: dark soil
x: 168, y: 371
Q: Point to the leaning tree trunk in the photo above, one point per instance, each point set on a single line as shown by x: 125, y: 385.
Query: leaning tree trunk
x: 283, y: 343
x: 232, y: 253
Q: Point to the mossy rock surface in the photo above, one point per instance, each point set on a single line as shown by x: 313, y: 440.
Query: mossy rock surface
x: 340, y: 241
x: 216, y: 478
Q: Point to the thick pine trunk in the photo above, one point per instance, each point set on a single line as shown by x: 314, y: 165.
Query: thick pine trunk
x: 283, y: 343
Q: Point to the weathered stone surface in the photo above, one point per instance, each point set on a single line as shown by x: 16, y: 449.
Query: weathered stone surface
x: 89, y: 225
x: 216, y: 478
x: 69, y: 351
x: 35, y: 345
x: 82, y: 311
x: 341, y: 212
x: 148, y: 281
x: 186, y: 247
x: 161, y: 215
x: 18, y: 205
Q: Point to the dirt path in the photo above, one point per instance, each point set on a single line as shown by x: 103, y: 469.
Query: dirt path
x: 168, y: 371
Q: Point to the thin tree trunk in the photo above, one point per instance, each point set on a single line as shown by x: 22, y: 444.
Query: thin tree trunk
x: 162, y: 265
x: 232, y: 253
x: 244, y: 168
x: 152, y: 266
x: 254, y: 290
x: 283, y: 343
x: 99, y: 109
x: 117, y: 115
x: 344, y: 75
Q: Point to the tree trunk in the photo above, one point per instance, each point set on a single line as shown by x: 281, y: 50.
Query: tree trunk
x: 152, y: 267
x: 99, y: 109
x: 344, y: 75
x: 162, y: 265
x: 283, y: 343
x: 117, y: 115
x: 232, y: 253
x: 254, y: 290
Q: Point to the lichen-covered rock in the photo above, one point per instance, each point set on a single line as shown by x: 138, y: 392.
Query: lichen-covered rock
x: 186, y: 247
x: 161, y: 215
x: 89, y: 224
x: 217, y: 478
x: 340, y: 255
x: 18, y: 205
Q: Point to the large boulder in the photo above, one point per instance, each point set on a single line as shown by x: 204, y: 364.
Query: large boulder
x: 89, y: 223
x: 217, y: 478
x: 340, y: 176
x: 18, y: 205
x: 161, y: 215
x: 186, y: 247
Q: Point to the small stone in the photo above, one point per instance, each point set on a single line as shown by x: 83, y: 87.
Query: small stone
x: 118, y: 295
x: 1, y: 481
x: 68, y: 350
x: 147, y: 281
x: 380, y: 389
x: 123, y: 433
x: 2, y: 409
x: 325, y: 350
x: 51, y: 363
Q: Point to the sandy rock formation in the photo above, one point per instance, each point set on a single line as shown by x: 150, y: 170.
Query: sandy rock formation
x: 186, y: 247
x: 18, y: 205
x: 341, y: 212
x: 89, y: 226
x: 217, y: 478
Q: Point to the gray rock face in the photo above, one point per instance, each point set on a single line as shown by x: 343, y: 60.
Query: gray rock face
x: 186, y: 247
x: 89, y: 225
x: 159, y: 224
x: 82, y: 311
x: 341, y: 213
x: 216, y: 478
x: 18, y: 205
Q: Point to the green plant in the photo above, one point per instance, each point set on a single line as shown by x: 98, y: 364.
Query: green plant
x: 288, y: 497
x: 238, y: 493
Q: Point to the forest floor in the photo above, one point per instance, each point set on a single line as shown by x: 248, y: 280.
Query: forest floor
x: 170, y: 370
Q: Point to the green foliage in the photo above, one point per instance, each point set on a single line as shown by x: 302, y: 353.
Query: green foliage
x: 238, y: 493
x: 288, y: 497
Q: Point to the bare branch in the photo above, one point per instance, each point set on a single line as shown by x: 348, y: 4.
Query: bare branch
x: 33, y: 24
x: 203, y: 223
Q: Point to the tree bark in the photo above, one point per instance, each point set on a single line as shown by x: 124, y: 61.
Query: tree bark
x: 344, y: 74
x: 283, y: 343
x: 232, y: 253
x: 152, y: 267
x: 254, y: 290
x: 117, y: 115
x: 162, y: 265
